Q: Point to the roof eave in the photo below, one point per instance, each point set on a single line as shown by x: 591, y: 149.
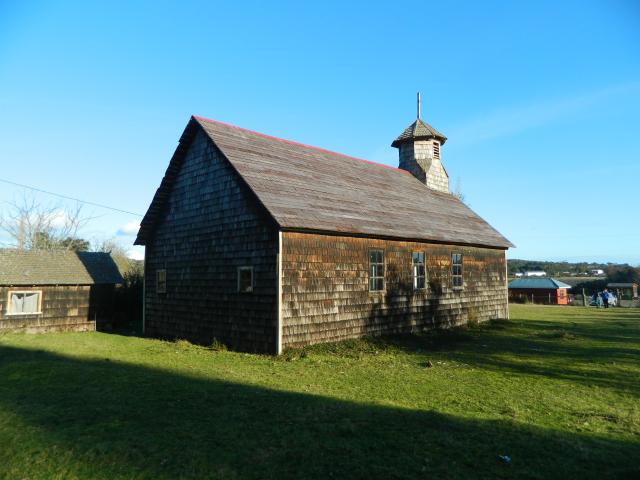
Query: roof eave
x: 494, y: 246
x: 399, y: 141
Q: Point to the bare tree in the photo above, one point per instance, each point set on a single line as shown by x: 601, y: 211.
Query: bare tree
x: 34, y: 225
x: 132, y: 270
x: 458, y: 191
x: 110, y: 246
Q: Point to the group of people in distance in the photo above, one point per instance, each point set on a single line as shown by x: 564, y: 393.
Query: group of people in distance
x: 601, y: 299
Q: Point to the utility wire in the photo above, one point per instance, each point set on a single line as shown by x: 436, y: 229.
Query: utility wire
x: 69, y: 198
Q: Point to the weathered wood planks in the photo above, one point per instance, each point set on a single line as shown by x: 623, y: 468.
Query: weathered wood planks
x: 212, y: 225
x: 326, y: 295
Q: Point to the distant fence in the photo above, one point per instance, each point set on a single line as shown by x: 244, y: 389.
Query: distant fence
x: 635, y: 303
x: 626, y: 303
x: 578, y: 300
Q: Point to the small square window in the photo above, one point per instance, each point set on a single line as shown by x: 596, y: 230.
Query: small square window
x: 24, y: 302
x: 245, y: 279
x: 161, y: 281
x: 419, y: 271
x: 376, y: 270
x: 456, y: 270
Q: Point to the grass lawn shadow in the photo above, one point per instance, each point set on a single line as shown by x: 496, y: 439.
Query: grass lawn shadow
x: 598, y: 348
x: 88, y: 418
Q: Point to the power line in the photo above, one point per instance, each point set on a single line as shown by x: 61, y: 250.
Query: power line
x: 70, y: 198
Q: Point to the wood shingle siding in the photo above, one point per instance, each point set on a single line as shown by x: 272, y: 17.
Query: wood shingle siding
x: 326, y: 295
x: 211, y: 225
x: 304, y: 220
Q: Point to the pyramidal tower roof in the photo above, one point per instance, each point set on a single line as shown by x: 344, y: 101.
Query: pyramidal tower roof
x: 418, y: 130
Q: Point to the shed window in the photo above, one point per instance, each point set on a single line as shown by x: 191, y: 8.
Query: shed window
x: 376, y: 270
x: 419, y: 273
x: 456, y: 269
x: 245, y: 279
x: 161, y: 281
x: 436, y: 149
x: 24, y: 303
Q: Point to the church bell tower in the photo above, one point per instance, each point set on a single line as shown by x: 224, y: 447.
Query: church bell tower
x: 419, y: 149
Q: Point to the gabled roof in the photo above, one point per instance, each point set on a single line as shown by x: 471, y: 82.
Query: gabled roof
x: 419, y: 130
x: 310, y: 189
x: 545, y: 283
x: 57, y: 267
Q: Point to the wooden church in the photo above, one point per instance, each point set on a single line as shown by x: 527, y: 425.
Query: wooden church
x: 264, y: 243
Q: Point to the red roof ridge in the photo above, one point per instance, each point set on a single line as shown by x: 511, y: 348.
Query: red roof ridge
x: 298, y: 143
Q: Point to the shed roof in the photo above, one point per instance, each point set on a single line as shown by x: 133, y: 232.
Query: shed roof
x: 543, y: 283
x: 621, y: 285
x: 57, y: 267
x: 418, y: 130
x: 312, y: 189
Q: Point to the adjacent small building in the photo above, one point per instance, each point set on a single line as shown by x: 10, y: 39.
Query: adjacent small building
x: 539, y: 290
x: 45, y: 291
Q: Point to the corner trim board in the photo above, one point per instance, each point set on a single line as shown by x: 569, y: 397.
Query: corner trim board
x: 279, y: 302
x: 144, y: 291
x: 506, y: 282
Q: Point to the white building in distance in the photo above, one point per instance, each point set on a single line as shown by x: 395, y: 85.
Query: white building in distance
x: 535, y: 273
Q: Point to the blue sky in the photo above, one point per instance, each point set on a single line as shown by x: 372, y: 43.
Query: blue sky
x: 539, y: 101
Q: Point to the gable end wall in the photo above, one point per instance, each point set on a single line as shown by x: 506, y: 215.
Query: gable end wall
x: 211, y: 225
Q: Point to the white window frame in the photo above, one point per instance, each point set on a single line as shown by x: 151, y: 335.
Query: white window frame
x: 11, y: 292
x: 415, y: 273
x: 370, y: 277
x: 249, y: 269
x: 453, y: 269
x: 161, y: 272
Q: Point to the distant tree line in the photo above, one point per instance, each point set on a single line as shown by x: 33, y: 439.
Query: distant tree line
x: 614, y: 272
x: 558, y: 269
x: 32, y: 225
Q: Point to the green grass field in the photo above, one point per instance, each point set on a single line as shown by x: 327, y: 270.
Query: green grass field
x: 555, y: 388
